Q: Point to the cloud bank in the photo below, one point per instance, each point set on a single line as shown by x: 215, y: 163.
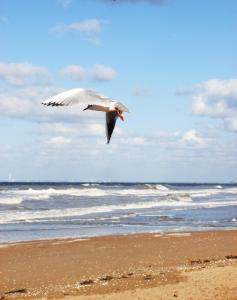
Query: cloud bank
x: 103, y: 73
x: 89, y: 29
x: 98, y: 73
x: 74, y: 72
x: 86, y: 26
x: 215, y: 98
x: 19, y: 73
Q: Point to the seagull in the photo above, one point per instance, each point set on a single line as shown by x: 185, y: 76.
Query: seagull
x: 93, y: 101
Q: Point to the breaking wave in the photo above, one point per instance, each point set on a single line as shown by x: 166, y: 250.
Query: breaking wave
x: 159, y: 187
x: 178, y: 201
x: 58, y: 213
x: 43, y: 210
x: 17, y: 196
x: 11, y: 200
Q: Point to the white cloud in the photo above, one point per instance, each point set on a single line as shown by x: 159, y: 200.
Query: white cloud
x: 74, y: 72
x: 177, y: 141
x: 22, y: 102
x: 122, y: 139
x: 19, y: 73
x: 217, y: 99
x: 26, y: 103
x: 98, y: 72
x: 89, y: 29
x: 30, y: 87
x: 154, y: 160
x: 90, y: 131
x: 103, y: 73
x: 231, y: 123
x: 191, y: 138
x: 86, y: 26
x: 58, y: 129
x: 135, y: 156
x: 89, y: 128
x: 131, y: 139
x: 59, y: 141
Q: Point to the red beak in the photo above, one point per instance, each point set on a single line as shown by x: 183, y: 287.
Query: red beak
x: 120, y: 115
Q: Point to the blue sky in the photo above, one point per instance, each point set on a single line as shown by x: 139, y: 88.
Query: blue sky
x: 173, y: 63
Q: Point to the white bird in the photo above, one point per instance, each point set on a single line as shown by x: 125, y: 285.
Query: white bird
x: 94, y: 101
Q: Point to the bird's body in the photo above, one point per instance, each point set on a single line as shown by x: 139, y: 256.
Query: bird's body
x: 91, y: 101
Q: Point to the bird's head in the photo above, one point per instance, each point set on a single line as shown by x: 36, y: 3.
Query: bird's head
x: 119, y: 113
x: 120, y: 108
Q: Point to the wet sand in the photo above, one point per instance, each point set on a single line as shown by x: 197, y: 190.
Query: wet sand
x: 198, y: 265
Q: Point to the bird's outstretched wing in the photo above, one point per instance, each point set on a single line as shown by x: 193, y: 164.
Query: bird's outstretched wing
x: 111, y: 118
x: 77, y: 96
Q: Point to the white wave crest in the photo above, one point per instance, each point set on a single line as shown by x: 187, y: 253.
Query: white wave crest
x: 90, y: 184
x: 180, y: 197
x: 149, y: 190
x: 210, y: 192
x: 58, y: 213
x: 11, y: 200
x: 45, y: 193
x: 159, y: 187
x: 37, y: 216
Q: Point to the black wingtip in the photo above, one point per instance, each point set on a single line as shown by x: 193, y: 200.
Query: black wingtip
x: 88, y: 106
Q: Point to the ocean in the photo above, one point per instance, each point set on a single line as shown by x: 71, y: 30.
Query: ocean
x: 33, y: 211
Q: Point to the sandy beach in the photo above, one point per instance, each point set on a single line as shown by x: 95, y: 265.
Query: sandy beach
x: 195, y: 265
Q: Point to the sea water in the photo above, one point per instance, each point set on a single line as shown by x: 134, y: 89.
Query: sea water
x: 32, y: 211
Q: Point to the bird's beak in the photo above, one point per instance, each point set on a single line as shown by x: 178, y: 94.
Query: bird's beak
x: 120, y: 115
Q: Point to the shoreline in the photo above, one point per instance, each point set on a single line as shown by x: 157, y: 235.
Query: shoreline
x: 163, y: 233
x: 116, y: 264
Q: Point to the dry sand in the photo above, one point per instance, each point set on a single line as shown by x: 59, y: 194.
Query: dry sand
x: 199, y: 265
